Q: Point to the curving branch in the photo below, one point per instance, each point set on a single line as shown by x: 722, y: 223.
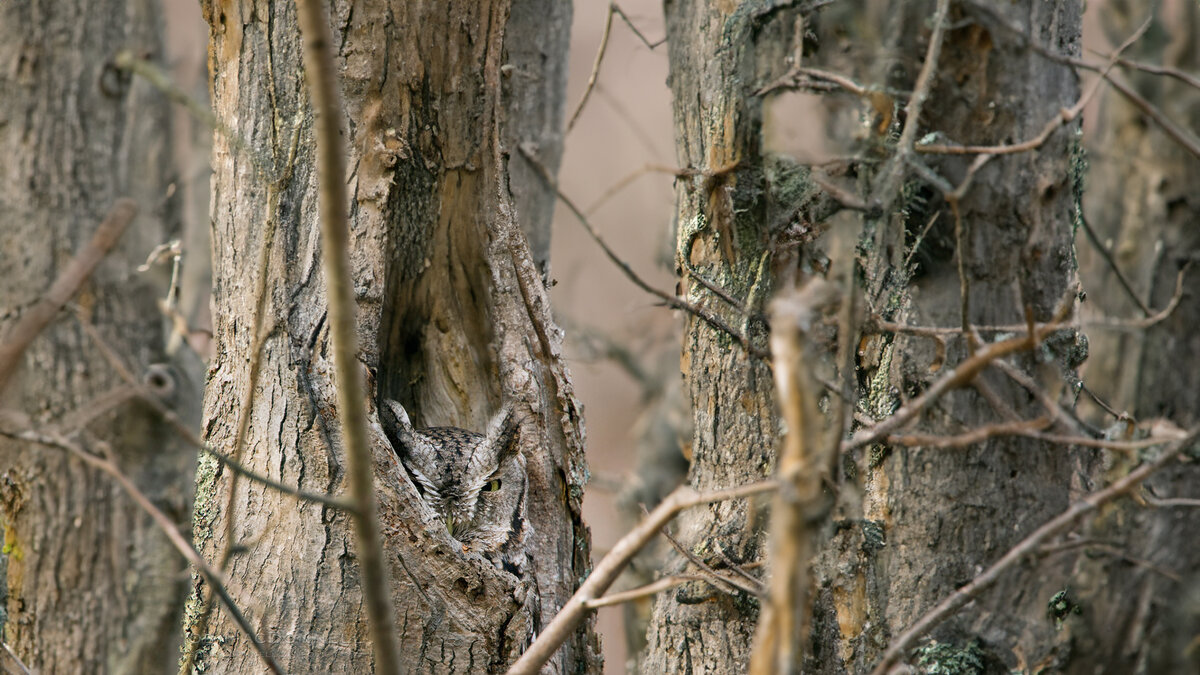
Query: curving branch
x: 564, y: 623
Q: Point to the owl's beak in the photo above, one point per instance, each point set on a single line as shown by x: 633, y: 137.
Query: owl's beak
x: 450, y: 525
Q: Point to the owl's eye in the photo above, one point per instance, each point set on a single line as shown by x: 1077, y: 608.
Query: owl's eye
x: 492, y: 486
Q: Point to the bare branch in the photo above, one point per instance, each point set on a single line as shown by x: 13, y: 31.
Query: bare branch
x: 707, y: 573
x: 145, y: 395
x: 591, y: 83
x: 127, y: 60
x: 960, y: 376
x: 65, y: 286
x: 813, y: 78
x: 971, y: 437
x: 1029, y: 429
x: 629, y: 178
x: 258, y: 339
x: 1157, y: 317
x: 879, y: 324
x: 1112, y: 265
x: 671, y: 300
x: 894, y: 172
x: 321, y: 73
x: 804, y: 461
x: 1182, y: 136
x: 1065, y: 116
x: 1169, y: 502
x: 654, y: 588
x: 1181, y: 75
x: 606, y: 571
x: 1026, y: 547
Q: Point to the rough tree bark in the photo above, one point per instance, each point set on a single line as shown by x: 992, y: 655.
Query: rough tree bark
x: 1142, y: 203
x: 719, y: 54
x: 928, y: 518
x: 89, y: 583
x: 453, y: 319
x: 932, y: 518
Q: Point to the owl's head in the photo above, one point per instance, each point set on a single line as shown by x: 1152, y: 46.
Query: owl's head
x: 474, y: 482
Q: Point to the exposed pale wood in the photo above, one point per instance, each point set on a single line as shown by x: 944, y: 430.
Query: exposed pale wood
x: 452, y: 320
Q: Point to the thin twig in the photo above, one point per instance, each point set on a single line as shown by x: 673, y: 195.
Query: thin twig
x: 1169, y: 502
x: 1060, y: 414
x: 671, y: 300
x: 605, y: 572
x: 695, y: 274
x: 1181, y: 75
x: 958, y: 377
x: 1065, y: 116
x: 258, y: 339
x: 1112, y: 265
x: 65, y: 286
x: 128, y: 60
x: 1028, y: 429
x: 591, y: 83
x: 1182, y: 136
x: 723, y: 584
x: 15, y: 658
x: 172, y: 420
x: 977, y: 435
x: 894, y: 172
x: 164, y: 523
x: 877, y: 323
x: 793, y: 79
x: 656, y: 587
x: 1026, y: 547
x: 587, y: 91
x: 1157, y: 317
x: 321, y: 73
x: 634, y: 29
x: 640, y: 592
x: 1112, y: 550
x: 629, y: 178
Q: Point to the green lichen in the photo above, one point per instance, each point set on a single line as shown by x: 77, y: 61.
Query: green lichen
x: 849, y: 467
x: 206, y: 508
x: 11, y: 548
x: 1061, y: 606
x: 1078, y: 172
x: 791, y: 182
x: 941, y: 658
x: 878, y: 453
x: 873, y: 535
x: 881, y: 401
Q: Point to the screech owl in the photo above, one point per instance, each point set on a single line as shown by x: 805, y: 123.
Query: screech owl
x: 474, y: 482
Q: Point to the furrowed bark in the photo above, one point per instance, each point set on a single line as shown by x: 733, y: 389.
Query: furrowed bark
x: 452, y: 320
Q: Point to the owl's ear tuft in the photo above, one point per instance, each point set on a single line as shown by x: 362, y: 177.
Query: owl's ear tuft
x: 502, y: 430
x: 397, y: 425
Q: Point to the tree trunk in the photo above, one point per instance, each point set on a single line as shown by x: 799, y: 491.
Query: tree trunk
x: 933, y: 518
x: 90, y: 584
x: 717, y: 56
x: 1138, y: 590
x: 453, y: 321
